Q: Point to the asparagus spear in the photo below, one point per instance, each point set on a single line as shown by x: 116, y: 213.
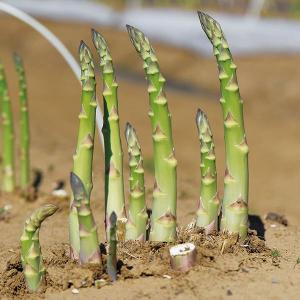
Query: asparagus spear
x: 163, y: 219
x: 8, y: 176
x: 207, y: 213
x: 112, y: 250
x: 114, y: 185
x: 137, y: 219
x: 89, y: 245
x: 24, y: 126
x: 31, y: 255
x: 83, y: 158
x: 235, y: 211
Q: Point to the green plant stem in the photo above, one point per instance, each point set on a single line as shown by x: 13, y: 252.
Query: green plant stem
x: 207, y: 214
x: 83, y: 157
x: 137, y: 214
x: 234, y: 212
x: 31, y: 255
x: 89, y: 245
x: 8, y: 175
x: 112, y: 250
x: 163, y: 218
x: 24, y: 126
x: 114, y: 184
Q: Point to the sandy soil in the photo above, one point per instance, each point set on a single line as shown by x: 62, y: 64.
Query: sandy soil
x: 269, y: 85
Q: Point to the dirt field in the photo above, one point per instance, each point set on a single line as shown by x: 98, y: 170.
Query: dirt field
x: 271, y: 93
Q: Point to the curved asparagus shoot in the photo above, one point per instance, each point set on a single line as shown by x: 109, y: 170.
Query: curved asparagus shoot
x: 83, y: 157
x: 112, y: 250
x: 137, y: 215
x: 24, y: 126
x: 31, y: 255
x: 163, y: 218
x: 8, y: 174
x: 234, y: 212
x: 207, y: 214
x: 114, y: 185
x: 89, y: 245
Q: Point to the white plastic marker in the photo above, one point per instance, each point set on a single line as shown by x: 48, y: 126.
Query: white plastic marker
x: 57, y: 44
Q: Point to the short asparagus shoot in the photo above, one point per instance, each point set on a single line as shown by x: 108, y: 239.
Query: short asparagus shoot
x: 163, y: 218
x: 183, y: 257
x: 112, y: 248
x: 8, y: 174
x: 24, y: 126
x: 114, y: 185
x: 83, y: 157
x: 31, y: 255
x: 234, y: 206
x: 207, y: 214
x: 137, y: 213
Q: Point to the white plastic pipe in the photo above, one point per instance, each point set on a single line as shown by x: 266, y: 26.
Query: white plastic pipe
x: 57, y: 44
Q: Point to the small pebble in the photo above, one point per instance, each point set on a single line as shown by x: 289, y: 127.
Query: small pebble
x: 75, y: 291
x: 275, y: 281
x: 273, y: 225
x: 167, y: 276
x: 229, y: 292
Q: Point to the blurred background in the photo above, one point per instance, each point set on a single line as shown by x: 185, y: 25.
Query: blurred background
x: 264, y: 36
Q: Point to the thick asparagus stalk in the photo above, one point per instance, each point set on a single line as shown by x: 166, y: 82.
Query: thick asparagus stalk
x: 137, y: 219
x: 114, y: 185
x: 31, y: 255
x: 8, y: 175
x: 89, y: 245
x: 163, y: 219
x: 183, y: 257
x: 24, y: 126
x: 234, y: 212
x: 112, y: 250
x: 207, y: 213
x: 83, y: 158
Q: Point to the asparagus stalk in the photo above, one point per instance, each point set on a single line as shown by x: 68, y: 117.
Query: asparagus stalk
x: 112, y: 250
x: 163, y: 218
x: 137, y: 219
x: 235, y: 211
x: 24, y: 126
x: 114, y: 185
x: 183, y: 257
x: 83, y: 158
x: 8, y: 176
x: 207, y: 214
x: 31, y: 255
x: 89, y: 245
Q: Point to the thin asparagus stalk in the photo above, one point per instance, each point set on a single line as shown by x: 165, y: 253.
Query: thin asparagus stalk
x: 112, y: 250
x: 89, y: 245
x: 137, y: 219
x: 163, y: 218
x: 83, y: 158
x: 24, y: 126
x: 8, y: 175
x: 234, y: 212
x: 31, y: 255
x: 114, y: 185
x: 207, y: 214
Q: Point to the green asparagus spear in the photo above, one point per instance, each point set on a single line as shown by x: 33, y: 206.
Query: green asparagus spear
x: 8, y: 175
x: 83, y: 158
x: 24, y: 126
x: 114, y: 185
x: 112, y: 250
x: 137, y: 219
x: 234, y: 211
x: 163, y: 218
x: 89, y: 245
x: 207, y: 214
x: 31, y: 255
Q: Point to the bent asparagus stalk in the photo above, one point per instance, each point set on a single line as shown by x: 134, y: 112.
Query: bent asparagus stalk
x: 163, y: 218
x: 234, y: 212
x: 24, y: 126
x: 89, y: 245
x: 112, y: 250
x: 83, y: 157
x: 8, y: 175
x: 114, y: 185
x: 31, y: 255
x: 137, y: 215
x: 207, y: 213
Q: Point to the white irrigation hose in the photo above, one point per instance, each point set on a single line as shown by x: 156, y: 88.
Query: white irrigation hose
x: 57, y: 44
